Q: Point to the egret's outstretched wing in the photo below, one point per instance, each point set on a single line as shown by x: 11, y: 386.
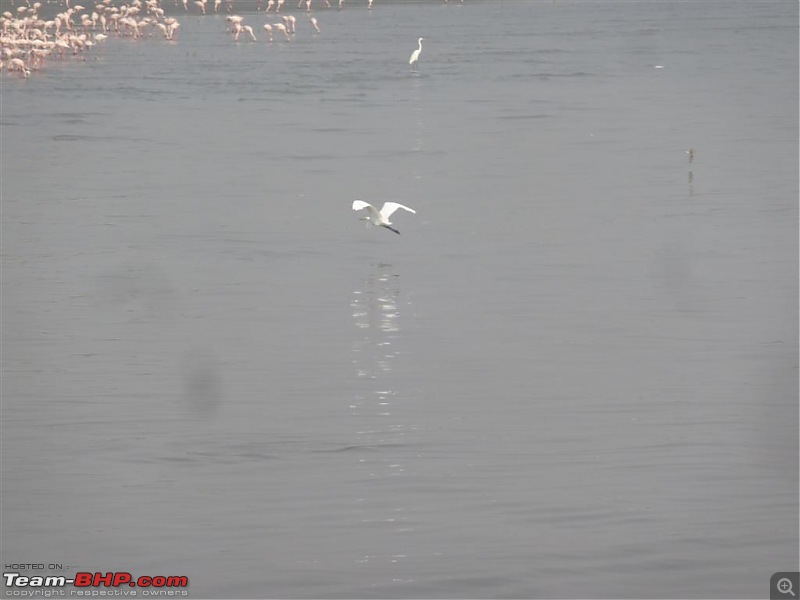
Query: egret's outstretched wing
x: 390, y: 207
x: 359, y: 204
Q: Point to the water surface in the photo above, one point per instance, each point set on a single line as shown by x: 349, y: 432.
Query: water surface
x: 574, y: 373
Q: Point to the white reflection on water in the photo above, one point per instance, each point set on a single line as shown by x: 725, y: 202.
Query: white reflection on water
x: 376, y: 314
x: 381, y: 421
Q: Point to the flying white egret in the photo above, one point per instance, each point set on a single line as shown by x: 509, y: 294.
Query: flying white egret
x: 380, y: 217
x: 415, y: 55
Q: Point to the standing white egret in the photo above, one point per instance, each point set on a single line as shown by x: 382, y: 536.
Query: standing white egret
x: 415, y: 55
x: 380, y: 217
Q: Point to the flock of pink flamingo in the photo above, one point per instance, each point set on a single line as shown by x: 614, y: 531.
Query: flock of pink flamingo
x: 28, y: 40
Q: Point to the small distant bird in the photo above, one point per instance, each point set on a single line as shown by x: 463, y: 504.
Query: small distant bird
x: 690, y: 152
x: 282, y: 28
x: 380, y: 217
x: 249, y: 31
x: 415, y: 55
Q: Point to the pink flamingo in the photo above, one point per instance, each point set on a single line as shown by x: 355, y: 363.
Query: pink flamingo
x: 281, y: 27
x: 268, y: 30
x: 314, y: 24
x: 233, y: 20
x: 17, y: 64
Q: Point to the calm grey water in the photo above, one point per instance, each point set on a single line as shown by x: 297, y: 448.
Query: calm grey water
x: 574, y: 374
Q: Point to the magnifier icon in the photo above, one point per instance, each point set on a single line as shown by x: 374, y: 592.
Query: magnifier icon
x: 784, y: 586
